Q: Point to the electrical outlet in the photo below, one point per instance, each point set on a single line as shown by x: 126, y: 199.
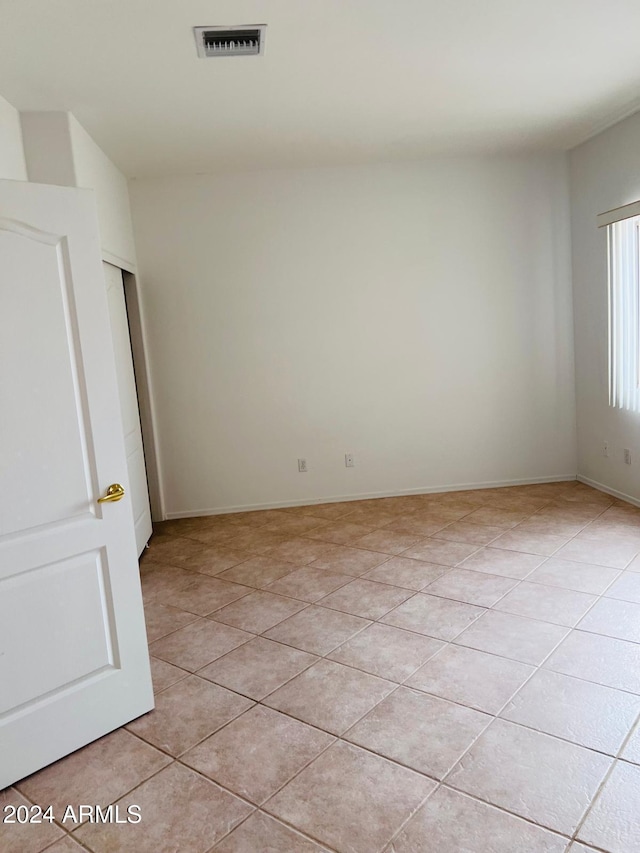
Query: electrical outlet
x: 302, y: 466
x: 349, y: 461
x: 627, y: 456
x: 605, y: 448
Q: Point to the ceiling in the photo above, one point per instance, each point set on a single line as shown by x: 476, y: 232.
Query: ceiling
x: 341, y: 81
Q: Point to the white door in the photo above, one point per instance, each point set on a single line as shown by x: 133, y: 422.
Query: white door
x: 129, y: 405
x: 73, y: 656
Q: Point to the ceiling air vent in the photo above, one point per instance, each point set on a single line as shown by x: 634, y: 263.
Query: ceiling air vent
x: 230, y: 41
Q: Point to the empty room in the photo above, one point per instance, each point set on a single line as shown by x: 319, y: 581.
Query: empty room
x: 319, y: 426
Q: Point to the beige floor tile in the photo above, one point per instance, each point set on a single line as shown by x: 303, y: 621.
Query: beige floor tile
x: 185, y: 527
x: 400, y: 504
x: 525, y: 640
x: 159, y: 579
x: 294, y: 525
x: 99, y: 773
x: 604, y: 660
x: 543, y: 544
x: 341, y: 532
x: 534, y: 775
x: 497, y: 517
x: 257, y: 668
x: 611, y: 532
x: 471, y: 587
x: 616, y: 555
x: 254, y: 541
x: 631, y: 751
x: 585, y: 713
x: 421, y: 524
x: 267, y: 835
x: 571, y: 511
x: 161, y: 619
x: 623, y: 511
x: 387, y: 541
x: 382, y: 794
x: 441, y: 552
x: 258, y: 572
x: 551, y: 526
x: 547, y: 603
x: 165, y: 674
x: 65, y: 845
x: 202, y: 594
x: 451, y: 822
x: 330, y: 696
x: 508, y: 498
x: 440, y: 510
x: 472, y: 678
x: 225, y: 532
x: 175, y: 550
x: 214, y: 559
x: 25, y: 837
x: 198, y: 644
x: 420, y: 731
x: 612, y: 824
x: 180, y: 811
x: 370, y: 515
x: 463, y: 501
x: 317, y: 629
x: 626, y: 588
x: 433, y: 616
x: 508, y: 564
x: 613, y: 618
x: 367, y: 599
x: 634, y: 565
x: 299, y: 551
x: 258, y: 612
x: 576, y: 847
x: 583, y: 493
x: 349, y: 561
x: 257, y: 753
x: 581, y: 577
x: 407, y: 573
x: 186, y: 713
x: 259, y: 517
x: 467, y: 531
x: 386, y: 652
x: 327, y: 512
x: 309, y: 584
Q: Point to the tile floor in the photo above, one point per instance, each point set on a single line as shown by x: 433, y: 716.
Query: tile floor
x: 456, y: 673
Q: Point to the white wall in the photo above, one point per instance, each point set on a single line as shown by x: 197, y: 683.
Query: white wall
x: 47, y: 148
x: 95, y: 170
x: 417, y: 316
x: 605, y: 173
x: 59, y: 151
x: 12, y: 163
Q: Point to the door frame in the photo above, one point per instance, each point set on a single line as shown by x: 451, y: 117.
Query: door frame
x: 139, y: 349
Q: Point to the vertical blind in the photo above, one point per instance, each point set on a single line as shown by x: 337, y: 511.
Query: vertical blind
x: 624, y: 313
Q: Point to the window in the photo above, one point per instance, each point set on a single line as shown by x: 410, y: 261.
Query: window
x: 623, y: 245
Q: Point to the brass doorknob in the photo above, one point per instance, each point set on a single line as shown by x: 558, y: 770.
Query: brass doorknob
x: 115, y: 492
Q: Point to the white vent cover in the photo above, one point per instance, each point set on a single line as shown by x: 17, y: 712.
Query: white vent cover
x: 230, y: 41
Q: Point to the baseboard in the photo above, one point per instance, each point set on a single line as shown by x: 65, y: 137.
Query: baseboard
x: 602, y: 488
x: 460, y: 487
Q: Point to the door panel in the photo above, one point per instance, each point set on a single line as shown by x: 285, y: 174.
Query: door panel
x: 73, y: 657
x: 46, y: 379
x: 76, y: 588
